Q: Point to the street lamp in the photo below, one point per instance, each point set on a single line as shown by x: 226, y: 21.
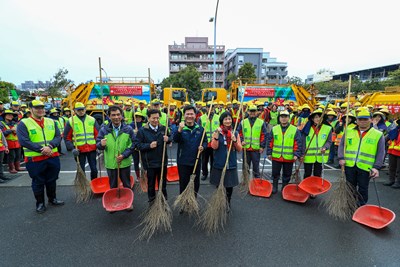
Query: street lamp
x: 106, y: 74
x: 214, y: 19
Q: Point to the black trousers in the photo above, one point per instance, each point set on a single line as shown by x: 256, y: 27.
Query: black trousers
x: 394, y: 168
x: 91, y: 159
x: 208, y: 156
x: 14, y: 155
x: 136, y: 160
x: 124, y: 175
x: 184, y: 177
x: 286, y: 168
x: 312, y: 168
x: 253, y: 159
x: 152, y: 175
x: 360, y: 180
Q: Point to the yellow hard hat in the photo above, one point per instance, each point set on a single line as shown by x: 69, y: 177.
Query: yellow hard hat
x: 221, y: 102
x: 23, y: 106
x: 9, y: 111
x: 361, y: 108
x: 155, y: 101
x: 370, y: 106
x: 235, y: 101
x: 321, y: 106
x: 202, y: 104
x: 54, y: 110
x: 15, y: 103
x: 343, y: 105
x: 284, y: 113
x: 385, y: 110
x: 186, y: 103
x: 66, y: 109
x: 378, y: 113
x: 252, y: 108
x: 37, y: 103
x: 305, y: 106
x: 383, y: 107
x: 138, y: 113
x: 173, y: 104
x: 110, y: 104
x: 364, y: 114
x: 128, y: 103
x: 228, y: 103
x: 331, y: 113
x: 357, y: 104
x: 79, y: 105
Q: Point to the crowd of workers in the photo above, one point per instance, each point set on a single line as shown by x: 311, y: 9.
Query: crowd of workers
x: 134, y: 132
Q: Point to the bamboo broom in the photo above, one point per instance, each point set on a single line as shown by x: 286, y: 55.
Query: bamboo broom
x: 81, y: 184
x: 342, y: 203
x: 245, y: 179
x: 215, y: 215
x: 187, y: 201
x: 143, y: 176
x: 159, y: 216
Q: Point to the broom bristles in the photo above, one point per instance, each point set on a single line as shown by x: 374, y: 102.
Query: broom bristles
x: 342, y: 202
x: 215, y: 215
x: 244, y: 184
x: 187, y: 201
x: 82, y: 186
x: 158, y: 218
x: 142, y: 187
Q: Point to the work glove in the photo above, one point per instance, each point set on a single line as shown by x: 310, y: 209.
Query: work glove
x: 75, y: 152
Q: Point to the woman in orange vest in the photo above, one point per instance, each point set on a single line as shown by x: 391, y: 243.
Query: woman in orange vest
x: 394, y: 157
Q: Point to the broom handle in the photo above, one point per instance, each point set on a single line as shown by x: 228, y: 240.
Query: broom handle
x: 377, y: 195
x: 202, y: 137
x: 118, y: 178
x: 136, y: 128
x: 347, y: 122
x: 164, y: 148
x: 73, y: 125
x: 221, y: 182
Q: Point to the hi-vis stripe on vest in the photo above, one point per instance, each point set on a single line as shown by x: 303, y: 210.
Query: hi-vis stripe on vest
x: 362, y: 151
x: 39, y: 135
x: 283, y: 143
x: 252, y: 135
x: 209, y: 127
x: 319, y: 140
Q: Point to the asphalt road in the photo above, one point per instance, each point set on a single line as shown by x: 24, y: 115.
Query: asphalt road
x: 259, y: 232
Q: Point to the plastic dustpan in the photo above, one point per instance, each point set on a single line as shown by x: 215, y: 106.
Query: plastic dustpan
x: 293, y: 192
x: 374, y: 216
x: 132, y: 182
x: 117, y: 199
x: 100, y: 185
x: 260, y: 187
x: 315, y: 185
x: 172, y: 174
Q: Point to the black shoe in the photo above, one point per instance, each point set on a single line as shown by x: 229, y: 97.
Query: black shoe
x: 40, y: 208
x: 204, y: 177
x: 181, y: 211
x: 56, y: 202
x: 389, y: 183
x: 396, y: 185
x: 330, y: 162
x: 2, y: 181
x: 313, y: 196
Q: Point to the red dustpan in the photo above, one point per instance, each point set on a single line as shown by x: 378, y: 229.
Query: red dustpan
x: 117, y: 199
x: 374, y: 216
x: 172, y: 174
x: 315, y: 185
x: 292, y: 192
x: 260, y: 187
x: 100, y: 185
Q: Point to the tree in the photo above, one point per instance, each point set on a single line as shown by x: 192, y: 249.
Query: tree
x: 393, y: 78
x: 247, y: 73
x: 188, y: 78
x: 58, y: 82
x: 5, y: 88
x: 231, y: 77
x: 334, y: 88
x: 295, y: 80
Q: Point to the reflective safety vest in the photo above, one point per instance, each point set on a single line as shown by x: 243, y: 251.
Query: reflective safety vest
x: 362, y: 151
x: 143, y: 111
x: 333, y: 124
x: 387, y: 123
x: 209, y: 128
x: 128, y: 116
x: 235, y: 114
x: 61, y: 124
x: 84, y: 131
x: 274, y: 118
x: 319, y: 140
x: 340, y: 135
x: 163, y: 119
x: 252, y: 135
x: 11, y: 136
x: 283, y: 143
x: 394, y: 146
x: 1, y: 139
x: 39, y: 135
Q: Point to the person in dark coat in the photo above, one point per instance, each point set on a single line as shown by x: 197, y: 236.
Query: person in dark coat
x: 139, y: 122
x: 221, y: 140
x: 150, y: 141
x: 188, y: 138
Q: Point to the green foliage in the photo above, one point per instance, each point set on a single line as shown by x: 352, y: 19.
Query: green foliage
x: 5, y: 88
x: 334, y: 88
x: 231, y: 77
x: 295, y: 80
x: 393, y: 78
x: 247, y: 73
x: 188, y: 78
x: 58, y: 82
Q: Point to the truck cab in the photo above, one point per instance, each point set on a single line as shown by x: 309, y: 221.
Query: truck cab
x: 178, y: 95
x: 219, y: 94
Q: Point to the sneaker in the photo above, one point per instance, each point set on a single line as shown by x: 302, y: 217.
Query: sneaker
x: 396, y: 185
x: 204, y: 177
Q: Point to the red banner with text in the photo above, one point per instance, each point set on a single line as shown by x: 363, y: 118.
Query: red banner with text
x: 260, y: 92
x: 134, y: 90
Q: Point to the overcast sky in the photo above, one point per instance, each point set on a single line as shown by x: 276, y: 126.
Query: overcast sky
x: 39, y: 37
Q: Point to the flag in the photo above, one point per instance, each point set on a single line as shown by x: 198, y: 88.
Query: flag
x: 14, y: 94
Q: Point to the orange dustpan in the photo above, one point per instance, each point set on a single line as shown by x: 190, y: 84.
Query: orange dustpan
x: 315, y: 185
x: 374, y: 216
x: 292, y: 192
x: 172, y: 171
x: 260, y: 187
x: 100, y: 184
x: 117, y: 199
